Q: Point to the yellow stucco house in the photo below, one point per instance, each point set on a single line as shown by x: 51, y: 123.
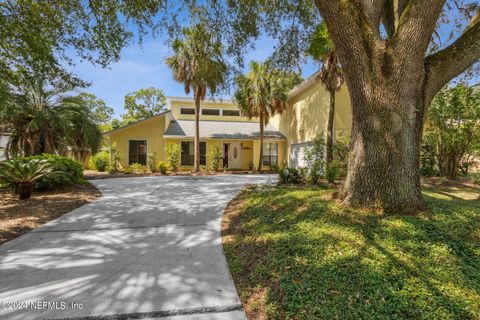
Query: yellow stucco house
x: 222, y: 126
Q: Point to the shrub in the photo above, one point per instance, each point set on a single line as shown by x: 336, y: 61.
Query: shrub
x: 100, y: 161
x: 114, y: 159
x: 291, y: 175
x: 22, y: 175
x: 152, y: 162
x: 217, y: 158
x: 428, y: 157
x: 315, y: 159
x: 475, y: 177
x: 331, y: 171
x: 72, y: 172
x: 136, y: 168
x: 341, y: 150
x: 162, y: 167
x: 173, y: 156
x: 203, y: 167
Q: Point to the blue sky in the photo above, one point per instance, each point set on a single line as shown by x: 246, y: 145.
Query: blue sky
x: 143, y: 67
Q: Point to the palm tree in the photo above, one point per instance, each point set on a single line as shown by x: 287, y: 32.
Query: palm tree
x: 262, y: 93
x: 42, y: 120
x: 198, y: 64
x: 322, y: 49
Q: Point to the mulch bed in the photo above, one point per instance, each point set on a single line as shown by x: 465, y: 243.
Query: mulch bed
x: 94, y: 175
x: 20, y: 216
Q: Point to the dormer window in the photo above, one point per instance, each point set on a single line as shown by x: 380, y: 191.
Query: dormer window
x: 187, y: 111
x: 210, y: 112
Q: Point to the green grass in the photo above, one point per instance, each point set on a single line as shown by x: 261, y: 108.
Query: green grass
x: 296, y: 254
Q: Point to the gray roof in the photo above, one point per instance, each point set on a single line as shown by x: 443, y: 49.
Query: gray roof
x: 222, y: 130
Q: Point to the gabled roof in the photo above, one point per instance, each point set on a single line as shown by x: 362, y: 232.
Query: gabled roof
x: 139, y: 121
x: 221, y: 130
x: 304, y: 84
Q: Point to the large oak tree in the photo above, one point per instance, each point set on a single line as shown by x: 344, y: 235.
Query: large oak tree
x: 392, y: 81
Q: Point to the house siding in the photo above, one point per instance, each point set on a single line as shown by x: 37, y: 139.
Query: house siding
x: 307, y: 115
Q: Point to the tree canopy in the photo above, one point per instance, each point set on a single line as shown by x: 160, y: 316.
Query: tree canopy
x: 143, y: 103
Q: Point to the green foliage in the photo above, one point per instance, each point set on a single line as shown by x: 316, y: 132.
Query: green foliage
x: 114, y: 159
x: 100, y: 112
x: 19, y: 170
x: 216, y: 157
x: 331, y: 171
x: 136, y: 168
x: 152, y: 162
x: 341, y: 151
x: 65, y: 171
x: 162, y: 167
x: 475, y: 177
x: 428, y: 157
x: 142, y: 104
x: 21, y: 175
x: 263, y: 92
x: 173, y: 156
x: 198, y: 61
x: 291, y: 175
x: 315, y: 159
x: 42, y: 119
x: 454, y: 126
x: 320, y: 45
x: 100, y: 161
x: 326, y: 261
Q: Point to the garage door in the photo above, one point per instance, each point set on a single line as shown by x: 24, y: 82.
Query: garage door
x: 297, y: 154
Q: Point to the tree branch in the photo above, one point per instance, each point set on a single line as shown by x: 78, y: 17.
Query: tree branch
x: 346, y: 20
x: 415, y: 27
x: 446, y: 64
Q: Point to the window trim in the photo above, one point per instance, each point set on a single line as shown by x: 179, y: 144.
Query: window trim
x: 128, y: 150
x: 212, y: 109
x: 204, y: 157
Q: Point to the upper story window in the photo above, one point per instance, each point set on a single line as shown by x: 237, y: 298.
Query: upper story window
x: 187, y: 111
x: 210, y: 112
x: 234, y: 113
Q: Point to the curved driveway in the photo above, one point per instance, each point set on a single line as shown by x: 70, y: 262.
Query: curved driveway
x: 149, y: 248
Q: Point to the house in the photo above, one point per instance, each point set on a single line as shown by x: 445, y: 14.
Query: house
x: 222, y: 126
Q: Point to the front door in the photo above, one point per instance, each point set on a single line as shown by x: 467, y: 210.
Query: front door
x: 235, y: 155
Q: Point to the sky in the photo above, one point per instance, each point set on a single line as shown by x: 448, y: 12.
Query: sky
x: 144, y: 66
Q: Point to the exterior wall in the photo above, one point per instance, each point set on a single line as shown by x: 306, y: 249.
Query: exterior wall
x: 213, y: 143
x: 175, y: 106
x: 150, y: 130
x: 307, y: 115
x: 3, y: 144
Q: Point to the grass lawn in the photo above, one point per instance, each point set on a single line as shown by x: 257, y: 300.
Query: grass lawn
x: 297, y: 254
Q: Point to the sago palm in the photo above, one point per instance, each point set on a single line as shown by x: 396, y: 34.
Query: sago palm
x: 322, y: 49
x: 198, y: 64
x: 262, y: 93
x: 22, y: 175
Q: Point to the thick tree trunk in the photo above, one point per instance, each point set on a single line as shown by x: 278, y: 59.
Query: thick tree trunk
x: 383, y: 170
x: 331, y: 119
x: 260, y: 160
x: 196, y: 154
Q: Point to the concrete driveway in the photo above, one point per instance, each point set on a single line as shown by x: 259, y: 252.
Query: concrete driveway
x: 149, y: 248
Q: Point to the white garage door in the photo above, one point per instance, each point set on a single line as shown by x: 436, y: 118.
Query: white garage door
x: 297, y: 154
